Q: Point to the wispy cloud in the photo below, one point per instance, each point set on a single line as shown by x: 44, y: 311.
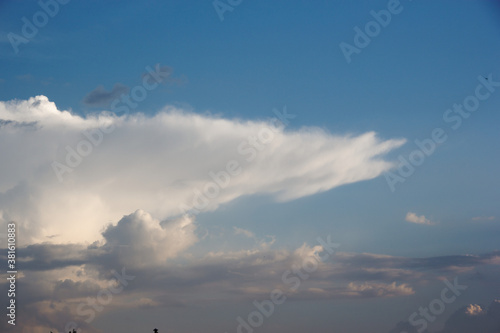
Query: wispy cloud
x: 483, y: 218
x: 244, y: 232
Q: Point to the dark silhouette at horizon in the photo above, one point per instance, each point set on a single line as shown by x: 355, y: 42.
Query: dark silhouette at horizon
x: 155, y: 330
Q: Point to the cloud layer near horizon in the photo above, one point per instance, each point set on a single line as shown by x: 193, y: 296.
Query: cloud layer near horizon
x: 159, y: 163
x: 58, y: 278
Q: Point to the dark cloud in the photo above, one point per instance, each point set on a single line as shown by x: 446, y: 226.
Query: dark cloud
x: 68, y: 288
x: 44, y: 257
x: 451, y: 262
x: 17, y: 124
x: 163, y: 75
x: 101, y: 97
x: 371, y: 262
x: 159, y: 74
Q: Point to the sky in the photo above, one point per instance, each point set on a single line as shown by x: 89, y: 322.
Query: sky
x: 250, y: 166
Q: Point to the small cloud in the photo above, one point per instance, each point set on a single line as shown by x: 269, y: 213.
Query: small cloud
x: 483, y: 218
x: 101, y: 97
x: 414, y: 218
x: 246, y: 233
x: 2, y: 81
x: 163, y: 75
x: 473, y: 310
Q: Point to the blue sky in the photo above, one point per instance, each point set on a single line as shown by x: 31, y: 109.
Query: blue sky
x: 323, y: 175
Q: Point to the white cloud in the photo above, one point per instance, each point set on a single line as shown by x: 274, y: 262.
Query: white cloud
x: 414, y: 218
x: 160, y: 164
x: 139, y: 240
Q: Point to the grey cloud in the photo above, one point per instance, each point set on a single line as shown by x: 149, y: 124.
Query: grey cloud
x: 380, y: 274
x: 448, y: 262
x: 101, y: 97
x: 439, y: 263
x: 43, y: 257
x: 163, y: 75
x: 68, y: 288
x: 17, y: 124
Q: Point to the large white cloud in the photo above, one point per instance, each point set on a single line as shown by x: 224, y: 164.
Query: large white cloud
x: 159, y: 163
